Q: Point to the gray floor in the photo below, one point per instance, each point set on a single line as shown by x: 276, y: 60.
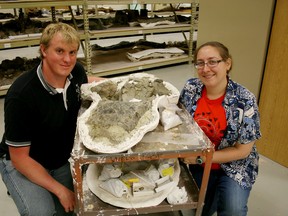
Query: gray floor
x: 268, y: 197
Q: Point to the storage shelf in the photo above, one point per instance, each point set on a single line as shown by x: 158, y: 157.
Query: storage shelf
x: 4, y: 89
x: 119, y: 2
x: 98, y: 205
x: 111, y: 32
x: 32, y: 3
x: 117, y: 67
x: 26, y: 41
x: 14, y: 43
x: 127, y: 31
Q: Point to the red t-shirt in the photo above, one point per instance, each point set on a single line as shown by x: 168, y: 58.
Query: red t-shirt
x: 210, y: 116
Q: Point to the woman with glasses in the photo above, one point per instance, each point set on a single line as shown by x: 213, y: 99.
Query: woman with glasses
x: 228, y: 114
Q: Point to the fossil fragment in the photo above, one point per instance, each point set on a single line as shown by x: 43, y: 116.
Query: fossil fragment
x: 12, y: 69
x: 155, y: 53
x: 117, y: 119
x: 122, y: 111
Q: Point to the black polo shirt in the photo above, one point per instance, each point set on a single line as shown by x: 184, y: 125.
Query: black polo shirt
x: 36, y: 116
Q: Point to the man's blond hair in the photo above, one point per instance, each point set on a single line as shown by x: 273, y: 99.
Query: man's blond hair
x: 69, y: 34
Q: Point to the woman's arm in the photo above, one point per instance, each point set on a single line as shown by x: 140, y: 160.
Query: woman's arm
x: 236, y: 152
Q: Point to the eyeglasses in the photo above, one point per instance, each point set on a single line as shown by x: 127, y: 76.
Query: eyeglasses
x: 210, y: 63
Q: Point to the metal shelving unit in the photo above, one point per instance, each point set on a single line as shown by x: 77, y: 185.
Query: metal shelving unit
x: 103, y: 69
x: 111, y: 68
x: 32, y: 40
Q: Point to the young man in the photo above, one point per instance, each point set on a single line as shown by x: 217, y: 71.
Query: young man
x: 41, y: 109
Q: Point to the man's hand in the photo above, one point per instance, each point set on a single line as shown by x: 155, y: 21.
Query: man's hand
x: 95, y: 79
x: 36, y: 173
x: 67, y: 199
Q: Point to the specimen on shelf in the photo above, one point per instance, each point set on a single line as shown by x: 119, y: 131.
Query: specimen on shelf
x: 122, y: 111
x: 11, y: 69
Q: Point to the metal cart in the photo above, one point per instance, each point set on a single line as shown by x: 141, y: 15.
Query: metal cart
x: 89, y: 204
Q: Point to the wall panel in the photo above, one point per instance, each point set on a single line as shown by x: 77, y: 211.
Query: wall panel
x: 274, y: 93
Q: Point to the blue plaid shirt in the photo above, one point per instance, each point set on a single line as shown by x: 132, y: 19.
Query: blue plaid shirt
x: 243, y: 126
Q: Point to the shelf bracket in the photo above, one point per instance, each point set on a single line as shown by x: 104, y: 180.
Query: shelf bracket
x: 87, y: 50
x: 53, y: 14
x: 177, y: 20
x: 75, y: 26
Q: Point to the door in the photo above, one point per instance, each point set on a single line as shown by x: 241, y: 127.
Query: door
x: 273, y: 102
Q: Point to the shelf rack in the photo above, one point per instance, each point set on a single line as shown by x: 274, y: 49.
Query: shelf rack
x: 88, y: 35
x: 104, y: 69
x: 27, y: 41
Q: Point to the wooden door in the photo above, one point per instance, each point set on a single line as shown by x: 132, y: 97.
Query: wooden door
x: 273, y: 102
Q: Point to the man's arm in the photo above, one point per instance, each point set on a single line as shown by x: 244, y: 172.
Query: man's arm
x: 37, y: 174
x: 94, y: 79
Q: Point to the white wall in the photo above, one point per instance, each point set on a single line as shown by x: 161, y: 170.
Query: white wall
x: 244, y: 27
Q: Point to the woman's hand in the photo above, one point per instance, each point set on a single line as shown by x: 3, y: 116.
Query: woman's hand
x: 193, y: 159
